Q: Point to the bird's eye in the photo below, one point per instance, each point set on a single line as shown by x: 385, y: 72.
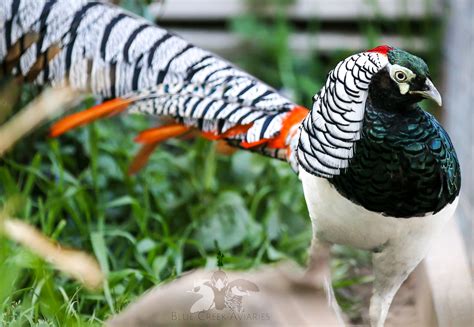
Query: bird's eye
x: 400, y: 76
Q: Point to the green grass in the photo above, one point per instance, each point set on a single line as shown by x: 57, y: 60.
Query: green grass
x: 147, y: 229
x: 144, y: 229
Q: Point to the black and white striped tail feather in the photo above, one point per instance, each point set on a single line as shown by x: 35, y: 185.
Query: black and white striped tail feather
x: 103, y: 49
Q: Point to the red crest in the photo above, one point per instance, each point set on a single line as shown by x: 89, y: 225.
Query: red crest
x: 382, y: 49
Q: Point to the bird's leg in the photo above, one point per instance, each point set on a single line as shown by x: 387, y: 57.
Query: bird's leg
x: 318, y: 273
x: 391, y: 267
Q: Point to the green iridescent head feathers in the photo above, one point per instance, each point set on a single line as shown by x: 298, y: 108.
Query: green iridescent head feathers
x: 405, y: 59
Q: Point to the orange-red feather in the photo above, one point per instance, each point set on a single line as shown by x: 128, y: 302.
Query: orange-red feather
x: 108, y: 108
x: 294, y: 117
x: 141, y: 158
x: 159, y: 134
x: 150, y: 139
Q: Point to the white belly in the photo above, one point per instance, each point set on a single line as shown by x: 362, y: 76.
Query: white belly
x: 338, y: 220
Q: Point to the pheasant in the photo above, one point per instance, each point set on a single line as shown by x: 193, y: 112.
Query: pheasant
x: 378, y: 172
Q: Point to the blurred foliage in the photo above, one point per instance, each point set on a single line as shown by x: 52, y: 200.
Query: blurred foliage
x: 149, y: 228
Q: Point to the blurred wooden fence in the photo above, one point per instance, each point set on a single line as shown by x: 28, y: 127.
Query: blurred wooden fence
x: 204, y: 10
x: 204, y: 22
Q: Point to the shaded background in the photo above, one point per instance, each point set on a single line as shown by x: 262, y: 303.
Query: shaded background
x: 150, y: 228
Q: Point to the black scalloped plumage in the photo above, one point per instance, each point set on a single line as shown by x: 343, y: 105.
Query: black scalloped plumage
x: 404, y: 165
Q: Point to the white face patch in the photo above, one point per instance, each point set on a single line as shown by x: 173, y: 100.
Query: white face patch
x: 402, y: 76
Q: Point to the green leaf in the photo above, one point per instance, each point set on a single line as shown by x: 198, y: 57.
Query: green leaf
x: 228, y: 222
x: 145, y: 245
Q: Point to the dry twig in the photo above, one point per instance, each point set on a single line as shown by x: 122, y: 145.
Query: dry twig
x: 74, y: 263
x: 47, y: 105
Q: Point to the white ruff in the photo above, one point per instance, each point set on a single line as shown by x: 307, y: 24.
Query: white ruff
x: 338, y: 220
x: 329, y: 132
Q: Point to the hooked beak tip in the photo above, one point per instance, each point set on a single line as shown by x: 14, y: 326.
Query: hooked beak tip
x: 430, y: 92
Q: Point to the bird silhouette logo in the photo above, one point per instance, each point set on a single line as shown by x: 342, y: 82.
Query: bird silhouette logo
x: 220, y: 293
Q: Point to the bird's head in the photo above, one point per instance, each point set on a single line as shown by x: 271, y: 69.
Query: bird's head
x: 383, y: 79
x: 405, y: 80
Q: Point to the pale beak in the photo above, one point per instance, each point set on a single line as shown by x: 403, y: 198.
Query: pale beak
x: 430, y: 92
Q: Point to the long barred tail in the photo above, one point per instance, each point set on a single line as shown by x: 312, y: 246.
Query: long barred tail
x: 100, y: 48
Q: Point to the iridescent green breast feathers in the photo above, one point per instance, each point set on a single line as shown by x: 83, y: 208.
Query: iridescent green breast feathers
x: 404, y: 165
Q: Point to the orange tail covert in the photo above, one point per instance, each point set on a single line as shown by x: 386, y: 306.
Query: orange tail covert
x: 159, y: 134
x: 108, y: 108
x: 150, y: 139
